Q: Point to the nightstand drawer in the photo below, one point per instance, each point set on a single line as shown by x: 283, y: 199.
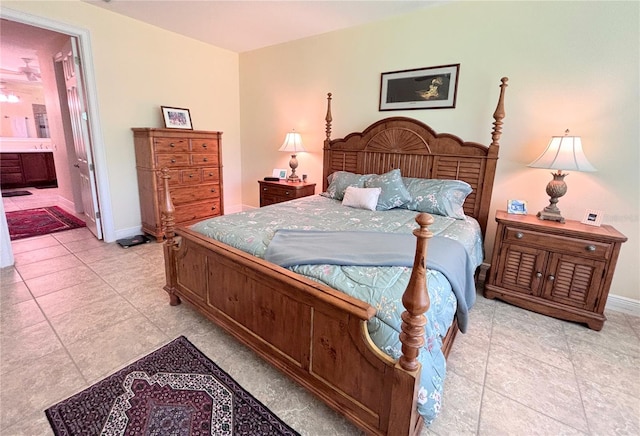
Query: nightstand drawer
x: 278, y: 191
x: 581, y: 247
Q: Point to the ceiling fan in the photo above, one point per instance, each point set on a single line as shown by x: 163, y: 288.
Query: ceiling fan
x: 31, y: 73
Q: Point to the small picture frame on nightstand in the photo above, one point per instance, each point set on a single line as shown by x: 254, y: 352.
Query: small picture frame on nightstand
x: 518, y: 207
x: 592, y: 217
x: 280, y: 173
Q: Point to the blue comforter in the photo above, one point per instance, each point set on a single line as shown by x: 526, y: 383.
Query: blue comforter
x: 382, y: 287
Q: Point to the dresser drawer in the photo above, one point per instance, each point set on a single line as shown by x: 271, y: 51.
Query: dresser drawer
x: 204, y: 159
x: 279, y: 191
x: 197, y: 211
x: 172, y: 160
x: 581, y: 247
x: 192, y: 194
x: 191, y: 176
x: 204, y: 146
x: 171, y: 145
x: 210, y: 174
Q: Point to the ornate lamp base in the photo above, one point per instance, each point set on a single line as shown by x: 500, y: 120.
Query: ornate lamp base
x: 555, y: 189
x: 293, y: 163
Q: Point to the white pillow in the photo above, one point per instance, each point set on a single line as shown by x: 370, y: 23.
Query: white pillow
x: 361, y: 198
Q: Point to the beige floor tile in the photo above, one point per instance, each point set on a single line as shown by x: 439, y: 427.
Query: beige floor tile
x: 545, y: 341
x: 40, y: 254
x: 59, y: 280
x: 19, y: 316
x: 502, y: 416
x: 12, y: 293
x: 606, y: 366
x: 29, y: 244
x: 73, y: 235
x: 115, y: 346
x: 537, y: 385
x: 75, y: 298
x: 84, y: 244
x: 460, y: 406
x: 102, y: 314
x: 36, y: 424
x: 617, y: 335
x: 102, y: 253
x: 634, y: 322
x: 467, y: 359
x: 30, y: 389
x: 18, y: 349
x: 31, y: 270
x: 610, y: 411
x: 9, y: 275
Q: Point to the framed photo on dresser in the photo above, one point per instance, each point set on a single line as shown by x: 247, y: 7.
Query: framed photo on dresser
x: 176, y: 118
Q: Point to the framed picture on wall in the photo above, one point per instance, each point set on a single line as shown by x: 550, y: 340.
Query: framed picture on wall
x: 421, y: 88
x: 176, y: 118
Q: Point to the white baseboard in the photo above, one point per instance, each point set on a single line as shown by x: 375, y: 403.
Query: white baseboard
x: 623, y: 304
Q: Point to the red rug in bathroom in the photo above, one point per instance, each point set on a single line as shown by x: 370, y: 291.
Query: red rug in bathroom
x: 40, y: 221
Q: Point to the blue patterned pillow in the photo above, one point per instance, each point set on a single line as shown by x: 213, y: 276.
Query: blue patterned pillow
x: 394, y: 193
x: 340, y: 181
x: 440, y: 197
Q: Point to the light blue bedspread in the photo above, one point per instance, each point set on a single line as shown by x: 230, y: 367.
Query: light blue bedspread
x: 289, y: 248
x: 382, y: 287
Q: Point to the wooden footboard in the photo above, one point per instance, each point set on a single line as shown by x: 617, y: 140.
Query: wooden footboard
x: 313, y: 333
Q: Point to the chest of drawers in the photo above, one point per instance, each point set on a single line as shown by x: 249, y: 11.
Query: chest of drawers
x: 194, y: 160
x: 560, y: 270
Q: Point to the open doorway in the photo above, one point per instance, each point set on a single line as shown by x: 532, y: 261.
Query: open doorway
x: 69, y: 124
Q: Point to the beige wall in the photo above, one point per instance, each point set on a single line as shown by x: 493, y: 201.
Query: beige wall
x: 138, y: 68
x: 571, y: 65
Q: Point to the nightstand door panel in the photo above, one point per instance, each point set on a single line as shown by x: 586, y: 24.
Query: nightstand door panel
x: 573, y: 281
x: 521, y: 269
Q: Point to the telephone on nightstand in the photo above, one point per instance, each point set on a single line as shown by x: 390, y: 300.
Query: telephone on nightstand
x: 271, y: 179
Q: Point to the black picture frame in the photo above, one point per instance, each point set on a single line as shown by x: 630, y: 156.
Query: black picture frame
x: 420, y: 88
x: 176, y: 118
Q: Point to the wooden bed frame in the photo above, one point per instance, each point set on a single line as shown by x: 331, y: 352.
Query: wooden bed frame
x: 315, y: 334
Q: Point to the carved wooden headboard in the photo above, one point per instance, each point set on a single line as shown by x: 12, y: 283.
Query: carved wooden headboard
x: 418, y: 151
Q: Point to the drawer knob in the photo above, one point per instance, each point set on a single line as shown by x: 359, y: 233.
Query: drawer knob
x: 213, y: 208
x: 210, y: 174
x: 590, y: 248
x: 286, y: 193
x: 172, y: 145
x: 204, y: 145
x: 190, y: 175
x: 538, y: 274
x: 173, y: 161
x: 213, y: 189
x: 519, y: 235
x: 205, y: 159
x: 552, y: 278
x: 264, y: 189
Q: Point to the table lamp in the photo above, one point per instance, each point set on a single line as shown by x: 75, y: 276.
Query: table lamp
x: 562, y: 153
x: 292, y: 144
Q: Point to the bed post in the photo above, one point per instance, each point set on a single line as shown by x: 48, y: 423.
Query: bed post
x: 170, y: 244
x: 326, y: 163
x: 492, y: 158
x: 404, y: 418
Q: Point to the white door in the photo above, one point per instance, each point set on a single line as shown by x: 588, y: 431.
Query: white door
x: 81, y: 137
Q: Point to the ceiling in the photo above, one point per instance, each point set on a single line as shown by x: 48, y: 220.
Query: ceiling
x: 244, y: 25
x: 235, y: 25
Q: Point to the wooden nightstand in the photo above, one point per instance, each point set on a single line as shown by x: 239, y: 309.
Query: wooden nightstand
x: 559, y: 270
x: 277, y: 192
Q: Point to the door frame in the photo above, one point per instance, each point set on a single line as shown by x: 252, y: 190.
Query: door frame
x: 97, y: 144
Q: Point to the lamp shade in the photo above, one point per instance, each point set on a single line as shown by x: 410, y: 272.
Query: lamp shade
x: 563, y: 153
x: 292, y: 143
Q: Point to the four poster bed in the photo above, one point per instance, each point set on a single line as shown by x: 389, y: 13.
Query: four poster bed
x: 312, y: 321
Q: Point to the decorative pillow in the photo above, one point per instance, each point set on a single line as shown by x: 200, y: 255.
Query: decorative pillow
x: 361, y: 198
x: 440, y: 197
x: 394, y: 193
x: 340, y: 180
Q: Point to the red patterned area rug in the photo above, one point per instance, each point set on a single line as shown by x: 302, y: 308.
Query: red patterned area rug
x: 40, y: 221
x: 176, y: 390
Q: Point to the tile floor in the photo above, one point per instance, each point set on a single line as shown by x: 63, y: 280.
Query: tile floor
x: 74, y: 309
